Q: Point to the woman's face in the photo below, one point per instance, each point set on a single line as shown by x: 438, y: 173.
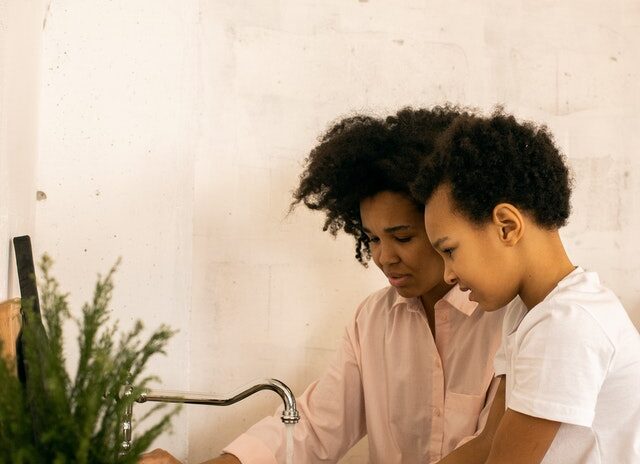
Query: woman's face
x: 399, y: 243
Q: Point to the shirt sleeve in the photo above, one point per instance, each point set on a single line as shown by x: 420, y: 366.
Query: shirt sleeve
x: 561, y: 360
x: 332, y: 417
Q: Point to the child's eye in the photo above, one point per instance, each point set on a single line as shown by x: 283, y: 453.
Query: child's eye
x: 403, y: 239
x: 374, y: 239
x: 448, y: 252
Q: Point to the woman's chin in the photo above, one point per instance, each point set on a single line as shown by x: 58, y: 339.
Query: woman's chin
x: 407, y: 292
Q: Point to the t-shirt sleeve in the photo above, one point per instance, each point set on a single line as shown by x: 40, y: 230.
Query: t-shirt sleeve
x: 562, y: 356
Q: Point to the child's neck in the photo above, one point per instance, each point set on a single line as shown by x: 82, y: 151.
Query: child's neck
x: 547, y: 264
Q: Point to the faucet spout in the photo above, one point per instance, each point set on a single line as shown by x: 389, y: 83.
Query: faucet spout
x: 289, y: 415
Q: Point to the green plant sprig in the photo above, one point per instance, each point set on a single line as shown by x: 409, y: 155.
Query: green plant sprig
x: 59, y: 419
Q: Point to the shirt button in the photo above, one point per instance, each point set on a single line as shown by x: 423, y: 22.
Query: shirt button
x: 437, y: 412
x: 438, y: 363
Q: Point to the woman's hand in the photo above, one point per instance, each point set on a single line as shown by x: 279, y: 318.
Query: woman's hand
x: 158, y: 456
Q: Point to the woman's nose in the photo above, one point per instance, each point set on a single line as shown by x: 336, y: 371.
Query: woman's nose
x: 387, y: 254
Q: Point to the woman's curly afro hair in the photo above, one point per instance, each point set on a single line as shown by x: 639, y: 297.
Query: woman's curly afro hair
x: 360, y: 156
x: 496, y: 159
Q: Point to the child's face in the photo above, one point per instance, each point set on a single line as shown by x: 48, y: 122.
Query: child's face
x: 473, y: 255
x: 399, y: 244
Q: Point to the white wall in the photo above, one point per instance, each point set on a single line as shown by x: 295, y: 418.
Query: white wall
x: 119, y: 132
x: 173, y: 132
x: 20, y: 57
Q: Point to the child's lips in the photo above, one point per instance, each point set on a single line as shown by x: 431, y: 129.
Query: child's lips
x: 470, y: 295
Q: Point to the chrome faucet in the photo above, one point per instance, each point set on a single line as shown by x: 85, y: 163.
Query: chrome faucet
x: 290, y: 413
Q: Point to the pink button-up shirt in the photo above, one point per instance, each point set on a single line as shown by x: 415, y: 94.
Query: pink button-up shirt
x: 415, y: 397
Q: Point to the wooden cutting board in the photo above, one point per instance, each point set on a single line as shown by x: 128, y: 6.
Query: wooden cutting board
x: 10, y: 320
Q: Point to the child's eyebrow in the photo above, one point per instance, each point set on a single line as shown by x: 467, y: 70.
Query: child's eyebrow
x: 439, y: 242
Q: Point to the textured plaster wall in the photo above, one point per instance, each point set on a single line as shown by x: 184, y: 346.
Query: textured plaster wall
x: 20, y: 61
x: 271, y: 296
x: 172, y: 133
x: 119, y: 132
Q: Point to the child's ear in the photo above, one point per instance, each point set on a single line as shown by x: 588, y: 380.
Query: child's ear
x: 509, y: 222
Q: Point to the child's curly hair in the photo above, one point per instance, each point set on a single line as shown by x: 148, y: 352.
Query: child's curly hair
x: 360, y: 156
x: 496, y: 159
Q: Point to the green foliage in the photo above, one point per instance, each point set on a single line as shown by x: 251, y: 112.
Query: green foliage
x: 59, y: 420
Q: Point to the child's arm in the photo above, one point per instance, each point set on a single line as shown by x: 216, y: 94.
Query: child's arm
x: 476, y: 450
x: 521, y: 438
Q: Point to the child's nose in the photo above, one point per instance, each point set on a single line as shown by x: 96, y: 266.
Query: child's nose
x: 449, y: 276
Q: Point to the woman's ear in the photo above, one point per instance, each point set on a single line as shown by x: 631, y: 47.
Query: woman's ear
x: 509, y: 222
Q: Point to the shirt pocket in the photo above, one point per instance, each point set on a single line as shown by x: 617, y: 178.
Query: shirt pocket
x: 461, y: 416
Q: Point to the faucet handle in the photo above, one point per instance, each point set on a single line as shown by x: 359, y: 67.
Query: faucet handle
x: 125, y: 446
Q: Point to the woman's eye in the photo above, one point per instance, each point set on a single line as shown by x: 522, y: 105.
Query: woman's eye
x: 448, y: 252
x: 374, y: 239
x: 403, y: 239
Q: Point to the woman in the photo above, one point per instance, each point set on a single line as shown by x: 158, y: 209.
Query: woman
x: 415, y: 369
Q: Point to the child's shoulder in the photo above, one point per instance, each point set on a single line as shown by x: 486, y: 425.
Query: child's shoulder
x: 582, y: 293
x: 581, y: 305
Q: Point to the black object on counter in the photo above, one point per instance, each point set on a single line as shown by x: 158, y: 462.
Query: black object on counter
x: 28, y: 292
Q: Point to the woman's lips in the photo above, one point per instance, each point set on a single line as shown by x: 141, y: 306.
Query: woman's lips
x: 399, y: 280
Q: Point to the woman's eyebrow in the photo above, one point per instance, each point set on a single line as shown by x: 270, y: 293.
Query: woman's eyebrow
x: 393, y: 229
x: 390, y: 230
x: 439, y: 242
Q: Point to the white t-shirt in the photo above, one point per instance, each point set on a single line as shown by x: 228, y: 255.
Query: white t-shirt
x: 575, y: 358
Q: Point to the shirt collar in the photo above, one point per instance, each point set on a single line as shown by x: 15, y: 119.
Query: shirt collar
x: 574, y: 276
x: 455, y: 298
x: 460, y: 300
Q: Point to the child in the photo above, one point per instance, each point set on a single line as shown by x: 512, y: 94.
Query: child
x: 496, y: 193
x: 414, y: 370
